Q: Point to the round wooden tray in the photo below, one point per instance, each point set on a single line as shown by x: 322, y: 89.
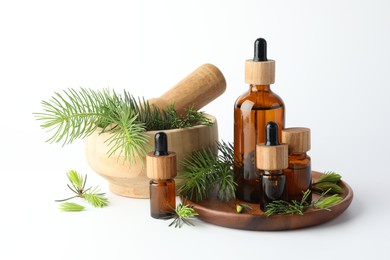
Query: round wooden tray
x: 224, y: 214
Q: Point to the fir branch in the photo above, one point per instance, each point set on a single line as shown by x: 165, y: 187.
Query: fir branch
x: 281, y: 207
x: 129, y: 139
x: 198, y: 177
x: 226, y: 152
x: 206, y: 171
x: 91, y: 195
x: 76, y: 114
x: 224, y: 181
x: 182, y: 215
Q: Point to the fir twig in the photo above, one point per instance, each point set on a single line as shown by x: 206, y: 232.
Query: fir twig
x: 281, y: 207
x: 198, y: 178
x: 284, y: 208
x: 206, y: 171
x: 76, y: 114
x: 91, y: 195
x: 182, y: 215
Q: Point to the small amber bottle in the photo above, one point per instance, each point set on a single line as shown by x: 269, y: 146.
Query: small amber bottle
x: 252, y: 111
x: 298, y: 173
x: 161, y: 168
x: 271, y: 158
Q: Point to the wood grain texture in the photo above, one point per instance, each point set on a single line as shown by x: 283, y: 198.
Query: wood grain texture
x: 271, y: 157
x: 198, y: 89
x: 161, y: 167
x: 130, y: 180
x: 224, y: 214
x: 260, y: 73
x: 297, y: 139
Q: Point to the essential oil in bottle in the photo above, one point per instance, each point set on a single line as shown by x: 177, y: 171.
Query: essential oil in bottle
x: 271, y: 158
x: 161, y: 168
x: 298, y: 173
x: 252, y: 110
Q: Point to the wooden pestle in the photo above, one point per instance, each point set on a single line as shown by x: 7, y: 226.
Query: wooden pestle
x: 198, y: 89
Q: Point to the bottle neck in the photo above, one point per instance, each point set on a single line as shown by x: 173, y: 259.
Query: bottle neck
x: 298, y: 155
x: 272, y: 172
x: 258, y: 88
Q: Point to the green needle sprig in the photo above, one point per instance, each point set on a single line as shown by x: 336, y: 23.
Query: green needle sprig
x: 281, y: 207
x: 91, y: 195
x: 71, y: 206
x: 206, y: 171
x: 182, y: 215
x: 76, y: 114
x: 324, y: 203
x: 328, y: 182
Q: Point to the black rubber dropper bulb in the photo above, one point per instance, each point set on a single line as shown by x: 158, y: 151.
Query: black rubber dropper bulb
x: 160, y: 144
x: 271, y: 134
x: 260, y: 50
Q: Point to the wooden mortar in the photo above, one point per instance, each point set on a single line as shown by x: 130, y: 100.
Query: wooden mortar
x: 198, y: 89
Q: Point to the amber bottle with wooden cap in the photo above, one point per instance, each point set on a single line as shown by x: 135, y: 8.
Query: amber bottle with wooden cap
x: 298, y: 173
x: 161, y: 168
x: 271, y: 159
x: 252, y: 111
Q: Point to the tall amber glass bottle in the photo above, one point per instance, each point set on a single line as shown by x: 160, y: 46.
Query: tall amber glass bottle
x: 252, y: 111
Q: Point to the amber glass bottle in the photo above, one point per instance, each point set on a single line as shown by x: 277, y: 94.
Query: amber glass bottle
x: 252, y: 111
x: 298, y: 173
x: 162, y: 197
x: 272, y: 159
x: 161, y: 168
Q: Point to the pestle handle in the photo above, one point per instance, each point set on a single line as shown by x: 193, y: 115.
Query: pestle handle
x: 198, y: 89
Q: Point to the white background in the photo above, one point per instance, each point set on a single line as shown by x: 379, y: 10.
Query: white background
x: 333, y: 60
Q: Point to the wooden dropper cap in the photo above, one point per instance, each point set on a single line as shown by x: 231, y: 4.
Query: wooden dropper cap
x: 161, y: 164
x: 297, y: 139
x: 260, y: 70
x: 271, y: 155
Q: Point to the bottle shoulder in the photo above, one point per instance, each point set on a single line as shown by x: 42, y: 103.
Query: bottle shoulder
x: 264, y: 99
